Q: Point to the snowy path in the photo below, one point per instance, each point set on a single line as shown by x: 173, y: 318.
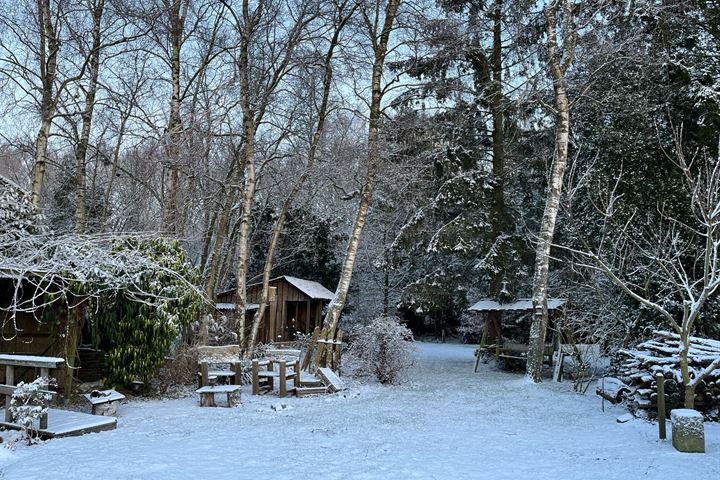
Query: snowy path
x: 450, y: 424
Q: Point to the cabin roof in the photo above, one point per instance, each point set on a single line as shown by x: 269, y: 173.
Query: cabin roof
x: 522, y: 304
x: 232, y: 306
x: 312, y: 289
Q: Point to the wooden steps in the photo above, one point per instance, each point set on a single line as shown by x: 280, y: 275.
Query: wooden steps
x: 306, y: 391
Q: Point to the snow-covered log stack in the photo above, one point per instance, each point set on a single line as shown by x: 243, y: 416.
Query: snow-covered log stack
x: 638, y: 368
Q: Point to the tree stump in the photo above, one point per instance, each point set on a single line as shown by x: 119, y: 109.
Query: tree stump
x: 688, y: 431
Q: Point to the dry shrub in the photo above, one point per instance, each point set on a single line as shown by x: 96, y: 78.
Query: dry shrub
x: 382, y: 349
x: 179, y: 370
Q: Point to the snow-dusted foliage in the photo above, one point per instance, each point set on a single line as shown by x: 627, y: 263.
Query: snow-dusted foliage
x: 29, y: 403
x: 18, y: 216
x: 383, y: 350
x: 49, y: 267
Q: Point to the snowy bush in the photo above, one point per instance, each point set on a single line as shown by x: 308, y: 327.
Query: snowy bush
x: 383, y: 349
x: 29, y: 403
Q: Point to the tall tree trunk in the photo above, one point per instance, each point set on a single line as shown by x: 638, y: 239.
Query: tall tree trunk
x: 87, y: 115
x: 297, y: 186
x: 380, y: 44
x: 47, y: 58
x: 177, y: 11
x: 498, y: 217
x: 557, y: 66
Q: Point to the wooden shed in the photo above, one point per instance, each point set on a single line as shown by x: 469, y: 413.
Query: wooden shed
x: 493, y: 338
x: 295, y: 305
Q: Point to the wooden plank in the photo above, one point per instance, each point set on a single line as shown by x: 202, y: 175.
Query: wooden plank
x: 283, y: 379
x: 66, y: 423
x: 311, y: 345
x: 337, y: 351
x: 332, y: 381
x: 10, y: 380
x: 255, y: 378
x: 31, y: 361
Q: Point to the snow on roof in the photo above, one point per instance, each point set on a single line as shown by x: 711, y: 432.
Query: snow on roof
x: 312, y: 289
x: 486, y: 305
x: 232, y: 306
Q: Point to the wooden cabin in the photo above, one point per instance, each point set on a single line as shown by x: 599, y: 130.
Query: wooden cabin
x: 295, y: 305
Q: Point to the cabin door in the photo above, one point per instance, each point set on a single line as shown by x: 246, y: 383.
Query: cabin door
x: 297, y: 319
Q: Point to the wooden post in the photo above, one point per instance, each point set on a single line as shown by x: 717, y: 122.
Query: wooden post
x: 307, y: 317
x: 660, y: 380
x: 204, y: 374
x: 283, y: 379
x: 319, y: 346
x: 237, y: 368
x: 338, y: 352
x: 255, y: 377
x: 9, y: 380
x: 309, y: 352
x: 296, y: 382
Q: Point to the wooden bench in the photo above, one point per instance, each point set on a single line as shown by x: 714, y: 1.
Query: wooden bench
x: 283, y: 365
x: 207, y: 395
x: 43, y: 364
x: 212, y: 358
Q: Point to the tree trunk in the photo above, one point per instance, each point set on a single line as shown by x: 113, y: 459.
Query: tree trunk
x: 557, y: 69
x: 177, y: 12
x: 297, y: 186
x: 47, y: 58
x: 685, y: 370
x: 380, y: 49
x: 87, y: 115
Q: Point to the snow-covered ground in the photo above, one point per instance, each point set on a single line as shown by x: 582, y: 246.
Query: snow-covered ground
x: 448, y: 424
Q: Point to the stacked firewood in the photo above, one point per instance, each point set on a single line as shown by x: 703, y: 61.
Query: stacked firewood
x: 639, y: 366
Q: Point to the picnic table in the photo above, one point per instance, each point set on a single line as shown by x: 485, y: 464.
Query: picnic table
x: 10, y: 361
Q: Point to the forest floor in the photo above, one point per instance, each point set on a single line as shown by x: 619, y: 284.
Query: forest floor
x: 446, y: 423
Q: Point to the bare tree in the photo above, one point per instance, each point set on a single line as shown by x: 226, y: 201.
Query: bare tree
x: 341, y: 14
x: 379, y: 28
x: 681, y: 259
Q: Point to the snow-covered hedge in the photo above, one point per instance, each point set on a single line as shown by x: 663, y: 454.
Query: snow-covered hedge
x: 382, y: 349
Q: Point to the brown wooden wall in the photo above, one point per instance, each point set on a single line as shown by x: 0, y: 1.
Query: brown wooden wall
x: 276, y: 317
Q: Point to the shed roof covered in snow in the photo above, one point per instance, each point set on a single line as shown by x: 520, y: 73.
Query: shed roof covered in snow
x: 232, y: 306
x: 523, y: 304
x: 312, y: 289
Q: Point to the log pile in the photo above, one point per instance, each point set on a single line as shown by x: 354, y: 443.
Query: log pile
x: 639, y: 366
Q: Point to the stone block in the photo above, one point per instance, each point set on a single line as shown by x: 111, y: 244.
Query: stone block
x: 688, y: 431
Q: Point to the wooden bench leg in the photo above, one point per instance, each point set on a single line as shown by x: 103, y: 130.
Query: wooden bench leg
x: 9, y: 380
x: 44, y: 421
x: 255, y: 378
x: 207, y: 400
x: 233, y: 398
x: 283, y: 379
x: 237, y: 369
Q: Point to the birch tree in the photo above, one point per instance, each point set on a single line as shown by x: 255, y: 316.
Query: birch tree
x: 339, y: 16
x: 260, y: 73
x: 380, y: 27
x: 561, y: 33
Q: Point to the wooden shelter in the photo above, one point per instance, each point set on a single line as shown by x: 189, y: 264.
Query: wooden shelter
x: 295, y: 305
x: 52, y: 330
x: 494, y: 342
